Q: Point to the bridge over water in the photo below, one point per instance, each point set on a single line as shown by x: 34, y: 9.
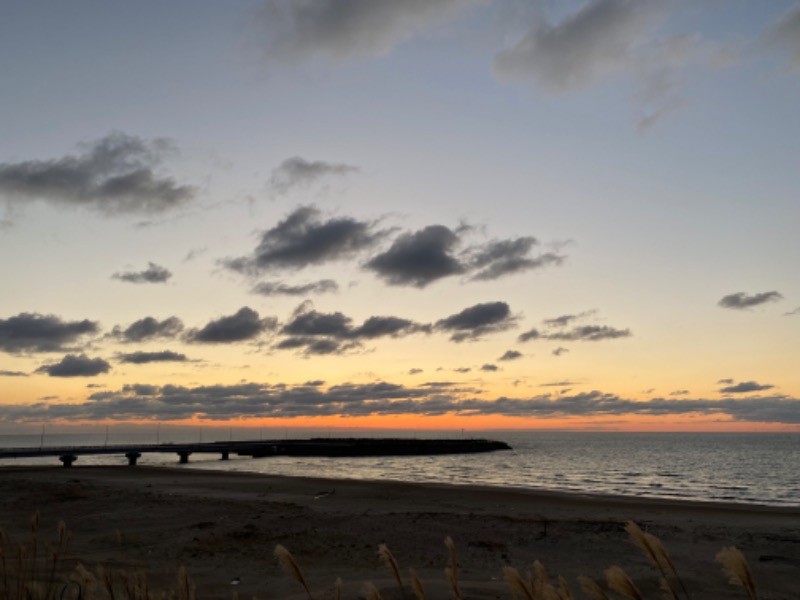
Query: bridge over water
x: 265, y: 448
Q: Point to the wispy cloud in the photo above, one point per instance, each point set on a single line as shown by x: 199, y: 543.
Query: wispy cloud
x: 785, y: 36
x: 297, y: 173
x: 745, y: 387
x: 152, y: 274
x: 279, y: 288
x: 338, y: 30
x: 741, y: 300
x: 149, y: 328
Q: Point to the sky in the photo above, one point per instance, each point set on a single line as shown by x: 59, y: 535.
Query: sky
x: 475, y: 214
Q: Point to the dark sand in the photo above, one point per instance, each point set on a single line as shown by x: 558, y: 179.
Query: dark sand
x: 224, y: 526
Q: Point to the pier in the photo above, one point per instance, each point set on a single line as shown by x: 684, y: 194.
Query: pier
x: 332, y: 447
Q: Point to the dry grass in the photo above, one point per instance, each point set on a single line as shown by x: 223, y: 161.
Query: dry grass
x: 36, y: 569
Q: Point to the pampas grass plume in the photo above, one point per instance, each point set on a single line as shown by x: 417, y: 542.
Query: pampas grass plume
x: 371, y: 592
x: 416, y: 585
x: 290, y: 567
x: 390, y: 561
x: 739, y: 571
x: 452, y: 571
x: 591, y: 588
x: 619, y: 581
x: 516, y: 583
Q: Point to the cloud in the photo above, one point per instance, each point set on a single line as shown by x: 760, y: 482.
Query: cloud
x: 511, y: 355
x: 73, y: 365
x: 741, y: 300
x: 601, y: 40
x: 785, y: 35
x: 589, y: 333
x: 505, y: 257
x: 531, y: 334
x: 141, y: 358
x: 277, y: 288
x: 114, y: 175
x: 679, y: 393
x: 256, y: 400
x: 564, y: 320
x: 338, y: 30
x: 34, y: 332
x: 422, y: 257
x: 490, y: 368
x: 726, y: 380
x: 149, y: 328
x: 598, y: 40
x: 796, y: 311
x: 297, y: 172
x: 479, y: 320
x: 559, y: 351
x: 414, y: 371
x: 563, y: 383
x: 304, y: 239
x: 419, y: 258
x: 152, y: 274
x: 328, y: 333
x: 745, y: 387
x: 12, y: 374
x: 244, y: 325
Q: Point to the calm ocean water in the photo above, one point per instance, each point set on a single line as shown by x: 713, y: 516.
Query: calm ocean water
x: 758, y: 468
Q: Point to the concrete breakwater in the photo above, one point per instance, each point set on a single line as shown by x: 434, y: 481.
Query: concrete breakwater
x: 331, y: 447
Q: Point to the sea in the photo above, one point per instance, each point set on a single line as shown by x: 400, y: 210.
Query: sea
x: 746, y: 468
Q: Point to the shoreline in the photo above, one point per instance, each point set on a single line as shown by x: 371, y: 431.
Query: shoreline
x: 224, y: 525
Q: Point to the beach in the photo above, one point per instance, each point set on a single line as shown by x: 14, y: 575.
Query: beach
x: 224, y: 526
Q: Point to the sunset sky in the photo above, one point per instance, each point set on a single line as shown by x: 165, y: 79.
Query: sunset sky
x: 400, y: 213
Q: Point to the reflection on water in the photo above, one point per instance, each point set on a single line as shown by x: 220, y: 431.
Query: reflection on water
x: 748, y: 468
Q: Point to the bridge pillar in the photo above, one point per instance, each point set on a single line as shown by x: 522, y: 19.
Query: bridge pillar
x: 67, y: 459
x: 132, y: 458
x: 184, y: 456
x: 225, y: 455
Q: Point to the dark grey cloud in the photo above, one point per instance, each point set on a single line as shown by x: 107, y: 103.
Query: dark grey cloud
x: 419, y: 258
x: 563, y: 383
x: 12, y: 374
x: 116, y: 174
x: 297, y: 172
x: 338, y: 30
x: 785, y: 35
x: 745, y: 387
x: 505, y: 257
x: 277, y: 288
x: 511, y: 355
x: 531, y: 334
x: 76, y: 365
x: 589, y: 333
x: 679, y: 393
x: 559, y: 351
x: 741, y: 300
x: 152, y: 274
x: 34, y: 332
x: 477, y: 321
x: 422, y: 257
x: 304, y: 239
x: 149, y: 328
x: 252, y: 400
x: 490, y: 368
x: 415, y: 371
x: 245, y: 324
x: 328, y: 333
x: 312, y: 323
x: 727, y: 380
x: 141, y: 358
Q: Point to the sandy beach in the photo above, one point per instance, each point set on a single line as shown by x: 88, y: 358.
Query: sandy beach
x: 224, y: 527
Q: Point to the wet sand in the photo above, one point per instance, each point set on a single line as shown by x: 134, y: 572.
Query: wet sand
x: 224, y: 526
